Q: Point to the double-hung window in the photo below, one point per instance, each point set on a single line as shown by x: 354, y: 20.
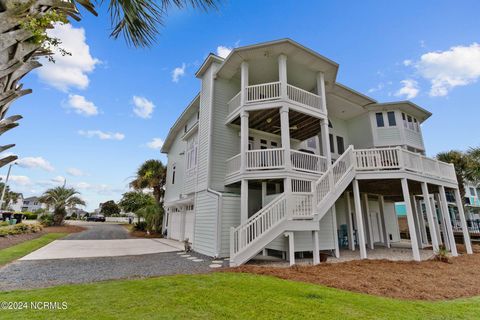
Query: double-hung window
x: 380, y: 121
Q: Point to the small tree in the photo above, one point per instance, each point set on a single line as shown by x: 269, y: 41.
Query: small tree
x: 133, y: 201
x: 153, y: 214
x: 9, y: 198
x: 109, y: 208
x: 60, y: 198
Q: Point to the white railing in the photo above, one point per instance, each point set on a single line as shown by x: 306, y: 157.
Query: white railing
x: 259, y: 224
x: 399, y: 158
x: 304, y: 97
x: 233, y: 164
x: 302, y: 204
x: 333, y: 176
x: 301, y: 185
x: 265, y: 159
x: 234, y: 103
x: 263, y: 92
x: 308, y: 162
x: 373, y: 159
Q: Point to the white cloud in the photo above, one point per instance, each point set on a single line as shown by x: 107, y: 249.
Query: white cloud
x: 223, y: 51
x: 156, y: 143
x: 407, y: 62
x: 83, y: 185
x: 102, y: 135
x: 178, y: 72
x: 379, y: 87
x: 58, y: 180
x: 18, y: 180
x: 409, y: 90
x: 69, y: 70
x: 81, y: 105
x: 143, y: 107
x: 75, y: 172
x: 458, y: 66
x: 35, y: 162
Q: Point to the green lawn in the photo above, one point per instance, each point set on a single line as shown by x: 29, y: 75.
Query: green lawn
x: 226, y: 296
x: 22, y: 249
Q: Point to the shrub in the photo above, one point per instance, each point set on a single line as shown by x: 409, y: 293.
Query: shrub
x: 140, y: 226
x: 442, y: 254
x: 20, y: 228
x: 30, y: 215
x: 3, y: 223
x: 46, y: 220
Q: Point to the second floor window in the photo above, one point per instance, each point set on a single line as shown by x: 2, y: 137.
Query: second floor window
x: 391, y: 119
x: 340, y: 145
x: 191, y: 152
x: 173, y: 174
x: 472, y: 192
x: 332, y: 147
x: 380, y: 122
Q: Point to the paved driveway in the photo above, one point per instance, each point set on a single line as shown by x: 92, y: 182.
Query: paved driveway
x: 99, y: 231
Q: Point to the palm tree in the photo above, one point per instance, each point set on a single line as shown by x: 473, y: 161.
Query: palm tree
x: 61, y: 198
x: 153, y: 215
x: 152, y: 174
x: 24, y: 39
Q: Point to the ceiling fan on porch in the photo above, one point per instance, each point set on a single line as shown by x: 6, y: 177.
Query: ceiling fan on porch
x: 279, y: 128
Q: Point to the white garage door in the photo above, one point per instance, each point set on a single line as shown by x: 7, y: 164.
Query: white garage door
x: 189, y: 225
x: 175, y: 226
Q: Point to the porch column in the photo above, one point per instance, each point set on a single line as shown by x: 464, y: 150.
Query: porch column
x: 436, y: 218
x: 417, y: 221
x: 325, y: 141
x: 421, y: 220
x: 431, y: 222
x: 243, y: 140
x: 285, y: 130
x: 243, y: 82
x: 461, y: 213
x: 321, y: 90
x: 386, y: 239
x: 287, y: 190
x: 282, y: 75
x: 410, y: 220
x: 316, y: 248
x: 335, y: 231
x: 264, y: 193
x: 441, y: 222
x: 351, y: 237
x: 291, y: 248
x: 358, y: 215
x: 368, y: 220
x: 448, y: 221
x: 244, y: 201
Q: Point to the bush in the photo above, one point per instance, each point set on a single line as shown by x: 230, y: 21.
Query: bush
x: 46, y: 220
x: 140, y: 226
x: 20, y: 228
x: 30, y: 215
x: 442, y: 254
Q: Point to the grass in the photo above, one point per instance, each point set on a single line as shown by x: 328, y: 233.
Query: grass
x: 22, y: 249
x: 225, y: 296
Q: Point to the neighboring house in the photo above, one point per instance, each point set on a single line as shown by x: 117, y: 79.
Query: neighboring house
x: 472, y: 201
x: 275, y: 156
x: 17, y: 205
x: 32, y: 204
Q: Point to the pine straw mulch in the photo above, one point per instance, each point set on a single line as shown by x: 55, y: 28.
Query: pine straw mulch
x: 426, y: 280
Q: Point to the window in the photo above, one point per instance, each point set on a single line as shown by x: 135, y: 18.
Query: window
x: 330, y: 124
x: 251, y: 140
x: 391, y: 119
x: 380, y: 122
x: 186, y: 128
x: 312, y: 143
x: 410, y: 122
x: 273, y: 144
x: 340, y: 145
x: 332, y: 147
x: 416, y: 125
x: 173, y: 174
x: 472, y: 192
x: 191, y: 155
x: 404, y: 120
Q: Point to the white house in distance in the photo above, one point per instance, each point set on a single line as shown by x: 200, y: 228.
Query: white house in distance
x: 275, y: 156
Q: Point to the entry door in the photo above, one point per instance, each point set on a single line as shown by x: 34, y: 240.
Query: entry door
x: 376, y: 226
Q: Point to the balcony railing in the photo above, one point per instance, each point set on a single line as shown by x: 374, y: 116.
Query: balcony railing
x: 265, y: 159
x: 308, y: 162
x: 273, y: 91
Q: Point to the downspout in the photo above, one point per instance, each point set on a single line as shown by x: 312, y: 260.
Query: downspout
x: 219, y: 220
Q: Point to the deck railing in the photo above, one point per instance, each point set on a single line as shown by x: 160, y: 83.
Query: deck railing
x: 265, y: 159
x: 233, y: 164
x: 302, y: 204
x: 304, y: 161
x: 304, y: 97
x: 263, y: 92
x: 234, y: 103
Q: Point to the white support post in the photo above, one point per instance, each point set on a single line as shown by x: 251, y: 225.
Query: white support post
x: 351, y: 240
x: 335, y: 231
x: 417, y: 221
x: 244, y: 132
x: 243, y: 82
x: 448, y: 221
x: 321, y: 90
x: 316, y: 248
x: 441, y: 223
x: 264, y: 193
x: 369, y: 222
x: 431, y: 222
x: 326, y: 141
x: 358, y: 214
x: 287, y: 190
x: 285, y: 131
x: 244, y: 201
x: 291, y: 248
x: 461, y: 213
x: 410, y: 220
x: 386, y: 239
x: 423, y: 228
x: 436, y: 219
x: 282, y: 75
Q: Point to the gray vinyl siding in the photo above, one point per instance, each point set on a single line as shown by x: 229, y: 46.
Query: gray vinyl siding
x: 206, y: 208
x: 225, y: 139
x: 230, y: 218
x: 175, y: 157
x: 360, y: 131
x: 204, y: 131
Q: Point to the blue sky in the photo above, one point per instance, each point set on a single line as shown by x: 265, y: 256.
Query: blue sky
x: 80, y: 122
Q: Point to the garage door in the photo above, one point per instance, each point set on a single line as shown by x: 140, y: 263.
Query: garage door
x: 189, y: 225
x: 175, y: 225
